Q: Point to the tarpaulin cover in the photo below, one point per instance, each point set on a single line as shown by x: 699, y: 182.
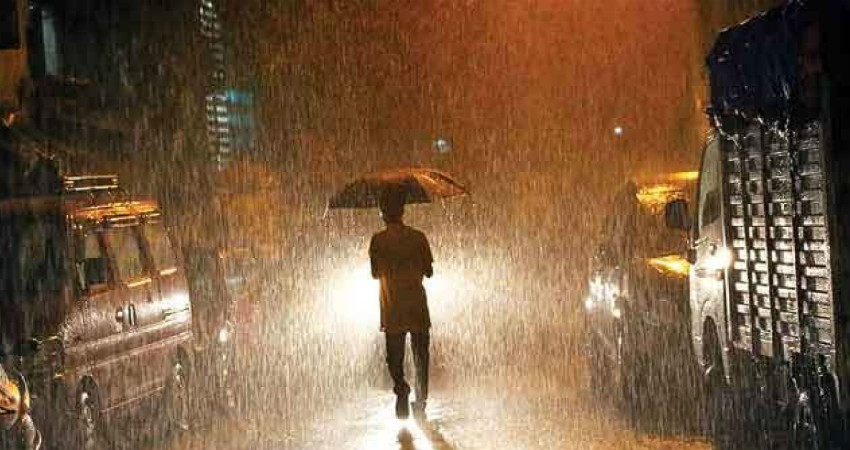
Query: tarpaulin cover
x: 754, y: 66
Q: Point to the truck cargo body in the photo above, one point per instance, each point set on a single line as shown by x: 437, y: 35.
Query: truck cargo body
x: 779, y: 223
x: 769, y: 283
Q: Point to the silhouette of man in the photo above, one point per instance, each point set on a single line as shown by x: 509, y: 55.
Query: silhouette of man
x: 401, y: 257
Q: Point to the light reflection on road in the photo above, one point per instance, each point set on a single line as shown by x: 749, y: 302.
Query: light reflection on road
x: 386, y: 432
x: 510, y: 418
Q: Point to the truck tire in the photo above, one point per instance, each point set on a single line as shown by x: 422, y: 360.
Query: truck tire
x: 719, y: 403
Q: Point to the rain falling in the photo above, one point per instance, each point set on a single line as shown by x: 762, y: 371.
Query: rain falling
x: 635, y: 213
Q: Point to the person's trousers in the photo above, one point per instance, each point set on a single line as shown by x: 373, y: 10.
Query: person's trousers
x: 395, y: 362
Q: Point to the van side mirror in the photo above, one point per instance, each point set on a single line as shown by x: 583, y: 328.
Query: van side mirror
x: 28, y: 347
x: 32, y: 346
x: 676, y: 215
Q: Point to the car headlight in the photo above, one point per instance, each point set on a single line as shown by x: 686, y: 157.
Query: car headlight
x: 616, y: 312
x: 602, y: 291
x: 223, y: 335
x: 604, y: 295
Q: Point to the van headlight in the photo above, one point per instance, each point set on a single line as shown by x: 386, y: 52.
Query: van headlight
x: 616, y: 312
x: 604, y: 295
x: 602, y: 291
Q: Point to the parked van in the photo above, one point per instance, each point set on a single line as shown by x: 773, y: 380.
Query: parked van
x: 637, y: 304
x: 94, y: 306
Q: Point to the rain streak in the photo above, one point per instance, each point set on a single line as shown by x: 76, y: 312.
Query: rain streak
x: 635, y: 215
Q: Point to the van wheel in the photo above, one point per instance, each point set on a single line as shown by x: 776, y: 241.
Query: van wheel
x: 86, y: 433
x: 622, y: 374
x: 808, y: 433
x: 176, y: 402
x: 597, y: 376
x: 606, y: 377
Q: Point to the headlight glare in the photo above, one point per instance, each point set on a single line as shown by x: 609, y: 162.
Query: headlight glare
x: 223, y: 335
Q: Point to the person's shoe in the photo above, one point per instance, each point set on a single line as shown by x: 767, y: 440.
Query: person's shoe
x: 418, y: 409
x: 402, y: 406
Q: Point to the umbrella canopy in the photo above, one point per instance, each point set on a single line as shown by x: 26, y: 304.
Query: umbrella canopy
x: 420, y: 185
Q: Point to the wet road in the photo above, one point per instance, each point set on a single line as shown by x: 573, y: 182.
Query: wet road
x: 499, y: 381
x: 525, y: 414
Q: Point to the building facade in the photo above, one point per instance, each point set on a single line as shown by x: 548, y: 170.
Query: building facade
x: 142, y: 76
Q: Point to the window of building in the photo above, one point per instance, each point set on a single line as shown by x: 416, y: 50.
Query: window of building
x: 10, y: 35
x: 49, y: 41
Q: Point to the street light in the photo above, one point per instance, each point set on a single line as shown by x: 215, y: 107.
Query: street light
x: 442, y: 145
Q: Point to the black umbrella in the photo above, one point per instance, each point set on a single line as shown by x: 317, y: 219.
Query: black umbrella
x: 419, y: 185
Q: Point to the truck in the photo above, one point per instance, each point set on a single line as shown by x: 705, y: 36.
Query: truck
x: 769, y: 276
x: 636, y: 304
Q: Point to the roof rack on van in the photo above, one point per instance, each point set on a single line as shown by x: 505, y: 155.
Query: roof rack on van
x: 89, y: 183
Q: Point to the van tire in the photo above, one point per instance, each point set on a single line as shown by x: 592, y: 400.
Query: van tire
x: 605, y: 375
x: 86, y: 431
x: 176, y: 402
x: 808, y: 433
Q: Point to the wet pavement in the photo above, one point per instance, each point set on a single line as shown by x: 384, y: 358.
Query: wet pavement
x: 518, y: 383
x: 520, y: 414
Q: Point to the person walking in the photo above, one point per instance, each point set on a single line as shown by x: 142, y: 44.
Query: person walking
x: 401, y: 257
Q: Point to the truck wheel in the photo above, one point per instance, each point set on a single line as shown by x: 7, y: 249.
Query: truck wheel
x: 715, y: 406
x: 718, y: 405
x: 176, y: 405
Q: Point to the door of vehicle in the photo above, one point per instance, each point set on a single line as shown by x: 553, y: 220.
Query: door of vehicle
x: 94, y: 327
x: 168, y: 276
x: 145, y: 373
x: 707, y: 276
x: 169, y: 322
